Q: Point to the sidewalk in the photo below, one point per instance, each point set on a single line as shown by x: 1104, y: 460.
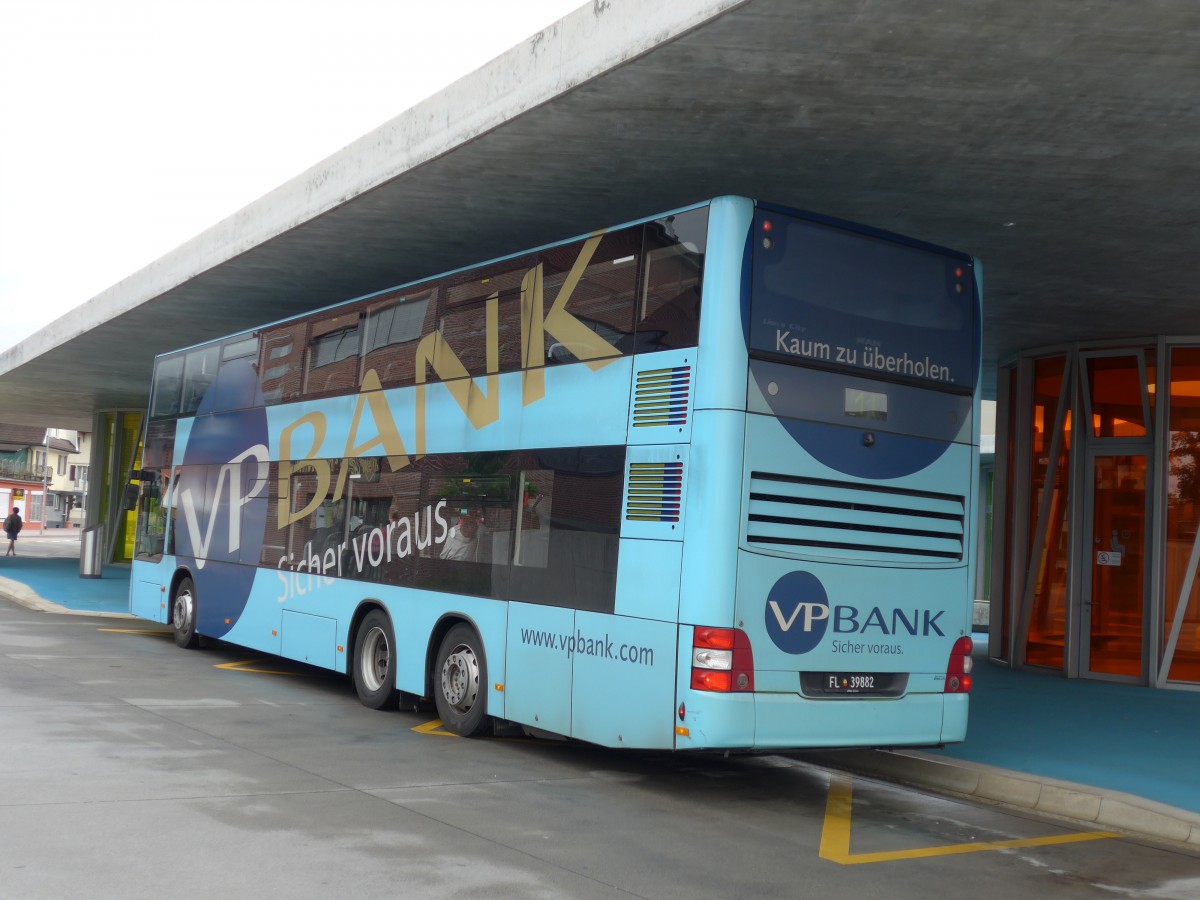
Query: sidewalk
x: 1108, y: 756
x: 1112, y: 756
x: 45, y: 575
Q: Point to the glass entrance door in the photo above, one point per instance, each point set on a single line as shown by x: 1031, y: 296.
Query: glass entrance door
x: 1113, y: 621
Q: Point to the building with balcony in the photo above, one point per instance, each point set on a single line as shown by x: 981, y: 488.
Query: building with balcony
x: 24, y: 470
x: 44, y: 473
x: 69, y: 453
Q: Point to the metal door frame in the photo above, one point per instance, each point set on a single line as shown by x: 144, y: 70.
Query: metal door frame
x: 1086, y: 555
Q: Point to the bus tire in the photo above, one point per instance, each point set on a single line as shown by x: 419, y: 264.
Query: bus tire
x: 375, y: 662
x: 460, y: 682
x: 183, y: 614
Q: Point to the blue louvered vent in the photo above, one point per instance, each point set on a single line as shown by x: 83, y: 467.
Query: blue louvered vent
x: 655, y: 492
x: 660, y: 397
x: 860, y: 522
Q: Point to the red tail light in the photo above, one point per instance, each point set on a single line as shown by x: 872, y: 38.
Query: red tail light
x: 958, y: 669
x: 722, y: 660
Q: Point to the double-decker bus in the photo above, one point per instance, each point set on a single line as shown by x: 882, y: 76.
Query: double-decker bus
x: 705, y: 480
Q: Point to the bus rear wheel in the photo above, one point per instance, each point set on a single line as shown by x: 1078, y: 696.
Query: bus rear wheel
x: 375, y: 662
x: 183, y: 615
x: 460, y: 682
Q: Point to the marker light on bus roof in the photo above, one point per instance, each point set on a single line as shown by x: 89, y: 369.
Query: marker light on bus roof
x: 767, y: 241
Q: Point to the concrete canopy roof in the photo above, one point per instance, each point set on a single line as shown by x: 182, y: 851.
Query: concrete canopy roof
x: 1057, y: 141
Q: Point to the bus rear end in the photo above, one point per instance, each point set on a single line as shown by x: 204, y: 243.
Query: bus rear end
x: 850, y: 619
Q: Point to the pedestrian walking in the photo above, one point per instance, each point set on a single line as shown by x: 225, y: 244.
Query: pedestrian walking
x: 12, y: 527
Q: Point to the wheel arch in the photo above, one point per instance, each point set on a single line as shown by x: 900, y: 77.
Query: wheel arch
x: 365, y: 606
x: 180, y: 573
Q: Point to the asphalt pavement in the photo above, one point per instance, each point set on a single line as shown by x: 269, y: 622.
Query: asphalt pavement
x: 1111, y: 756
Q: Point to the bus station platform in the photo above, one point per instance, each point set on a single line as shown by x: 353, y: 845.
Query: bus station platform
x: 1106, y: 756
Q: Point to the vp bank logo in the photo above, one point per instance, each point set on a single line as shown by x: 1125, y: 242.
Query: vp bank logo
x: 797, y: 612
x: 221, y: 497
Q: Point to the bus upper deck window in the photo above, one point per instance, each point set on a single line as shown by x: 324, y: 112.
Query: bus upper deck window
x: 199, y: 371
x: 333, y: 359
x: 168, y: 379
x: 669, y: 306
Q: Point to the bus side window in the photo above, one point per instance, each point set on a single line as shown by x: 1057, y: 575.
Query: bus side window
x: 239, y: 359
x: 333, y: 355
x: 255, y: 477
x: 602, y: 300
x: 535, y: 500
x: 669, y: 307
x: 392, y: 504
x: 564, y: 546
x: 317, y: 530
x: 199, y: 371
x: 275, y: 536
x: 480, y: 345
x: 393, y: 329
x: 291, y: 541
x: 279, y: 363
x: 151, y: 517
x: 159, y: 450
x: 168, y: 381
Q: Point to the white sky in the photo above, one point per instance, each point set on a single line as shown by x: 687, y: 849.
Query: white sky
x: 130, y: 126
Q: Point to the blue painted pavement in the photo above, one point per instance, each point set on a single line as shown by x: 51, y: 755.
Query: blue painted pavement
x: 58, y: 581
x: 1119, y: 737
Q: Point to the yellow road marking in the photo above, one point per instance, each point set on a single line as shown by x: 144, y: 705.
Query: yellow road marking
x: 248, y: 665
x: 835, y: 835
x: 434, y: 727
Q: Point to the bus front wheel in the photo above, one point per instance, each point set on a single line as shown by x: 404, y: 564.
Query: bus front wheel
x: 375, y: 662
x: 183, y: 615
x: 460, y: 682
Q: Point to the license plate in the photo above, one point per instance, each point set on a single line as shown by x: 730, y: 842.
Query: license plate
x: 850, y: 682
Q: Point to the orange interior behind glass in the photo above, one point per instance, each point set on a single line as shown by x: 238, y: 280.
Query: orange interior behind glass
x: 1183, y: 512
x: 1048, y: 617
x: 1118, y: 565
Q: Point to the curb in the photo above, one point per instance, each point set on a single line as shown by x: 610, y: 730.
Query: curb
x: 1088, y: 806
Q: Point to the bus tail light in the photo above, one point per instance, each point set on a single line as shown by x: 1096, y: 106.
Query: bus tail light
x: 958, y: 670
x: 722, y: 660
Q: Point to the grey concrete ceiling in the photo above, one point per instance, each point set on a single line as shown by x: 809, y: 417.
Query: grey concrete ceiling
x: 1056, y: 140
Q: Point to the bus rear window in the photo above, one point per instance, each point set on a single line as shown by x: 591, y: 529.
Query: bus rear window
x: 837, y: 298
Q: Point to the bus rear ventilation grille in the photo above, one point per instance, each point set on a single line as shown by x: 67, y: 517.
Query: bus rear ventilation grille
x: 660, y: 396
x: 655, y: 492
x: 862, y: 522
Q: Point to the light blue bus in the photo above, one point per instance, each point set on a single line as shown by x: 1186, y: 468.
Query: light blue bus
x: 701, y: 481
